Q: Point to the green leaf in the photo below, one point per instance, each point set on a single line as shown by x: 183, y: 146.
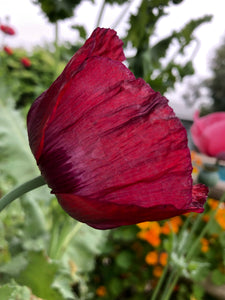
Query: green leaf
x: 218, y: 278
x: 63, y: 283
x: 15, y: 265
x: 198, y: 291
x: 39, y: 275
x: 13, y: 291
x: 124, y: 259
x: 198, y: 270
x: 82, y: 31
x: 56, y: 9
x: 83, y: 249
x: 185, y: 35
x: 16, y: 159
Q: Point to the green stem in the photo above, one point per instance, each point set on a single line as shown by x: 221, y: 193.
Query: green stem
x: 21, y: 190
x: 160, y: 282
x: 204, y: 231
x: 57, y: 49
x: 122, y: 14
x: 67, y: 240
x: 101, y: 13
x: 172, y: 286
x: 177, y: 271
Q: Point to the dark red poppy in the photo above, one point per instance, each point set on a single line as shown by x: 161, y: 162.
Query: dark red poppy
x: 26, y: 62
x: 109, y: 147
x: 8, y: 50
x: 7, y: 29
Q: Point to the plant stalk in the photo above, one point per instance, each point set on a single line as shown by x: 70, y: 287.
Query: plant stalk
x: 21, y: 190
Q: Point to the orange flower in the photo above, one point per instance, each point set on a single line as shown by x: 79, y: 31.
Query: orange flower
x: 152, y: 235
x: 157, y: 271
x: 195, y: 158
x: 101, y: 291
x: 165, y: 229
x: 220, y: 217
x: 205, y: 245
x: 171, y: 225
x: 152, y: 258
x: 195, y: 170
x: 213, y: 203
x: 144, y: 225
x: 205, y: 218
x: 163, y: 257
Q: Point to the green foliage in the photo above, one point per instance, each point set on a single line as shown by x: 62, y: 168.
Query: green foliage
x: 13, y: 291
x: 15, y: 152
x: 40, y: 247
x: 43, y: 252
x: 26, y: 84
x: 216, y: 82
x: 149, y: 61
x: 56, y: 9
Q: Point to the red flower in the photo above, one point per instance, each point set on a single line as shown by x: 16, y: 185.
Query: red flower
x: 110, y: 147
x: 7, y: 29
x: 8, y: 50
x: 26, y: 62
x: 208, y: 134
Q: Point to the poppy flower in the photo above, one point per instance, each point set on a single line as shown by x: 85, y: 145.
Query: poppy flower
x: 7, y: 29
x: 110, y: 148
x: 208, y: 134
x: 8, y: 50
x: 25, y: 62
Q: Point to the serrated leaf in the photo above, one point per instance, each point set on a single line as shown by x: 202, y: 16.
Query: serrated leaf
x: 16, y: 160
x: 15, y: 265
x: 84, y: 247
x: 82, y: 31
x: 13, y: 291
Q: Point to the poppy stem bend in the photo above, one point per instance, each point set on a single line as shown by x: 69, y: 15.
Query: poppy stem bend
x: 21, y: 190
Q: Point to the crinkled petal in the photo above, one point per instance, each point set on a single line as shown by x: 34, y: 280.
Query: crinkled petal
x: 112, y: 150
x: 103, y: 215
x: 102, y: 42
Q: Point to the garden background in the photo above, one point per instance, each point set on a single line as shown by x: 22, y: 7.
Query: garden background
x: 44, y: 254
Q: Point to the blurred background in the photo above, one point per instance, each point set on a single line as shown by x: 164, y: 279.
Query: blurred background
x: 178, y: 47
x: 33, y: 28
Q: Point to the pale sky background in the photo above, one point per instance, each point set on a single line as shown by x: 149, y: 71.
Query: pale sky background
x: 33, y: 29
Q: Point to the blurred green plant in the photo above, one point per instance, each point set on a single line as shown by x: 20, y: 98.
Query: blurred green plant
x: 38, y: 245
x: 216, y: 82
x: 44, y: 254
x: 181, y: 259
x: 151, y: 60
